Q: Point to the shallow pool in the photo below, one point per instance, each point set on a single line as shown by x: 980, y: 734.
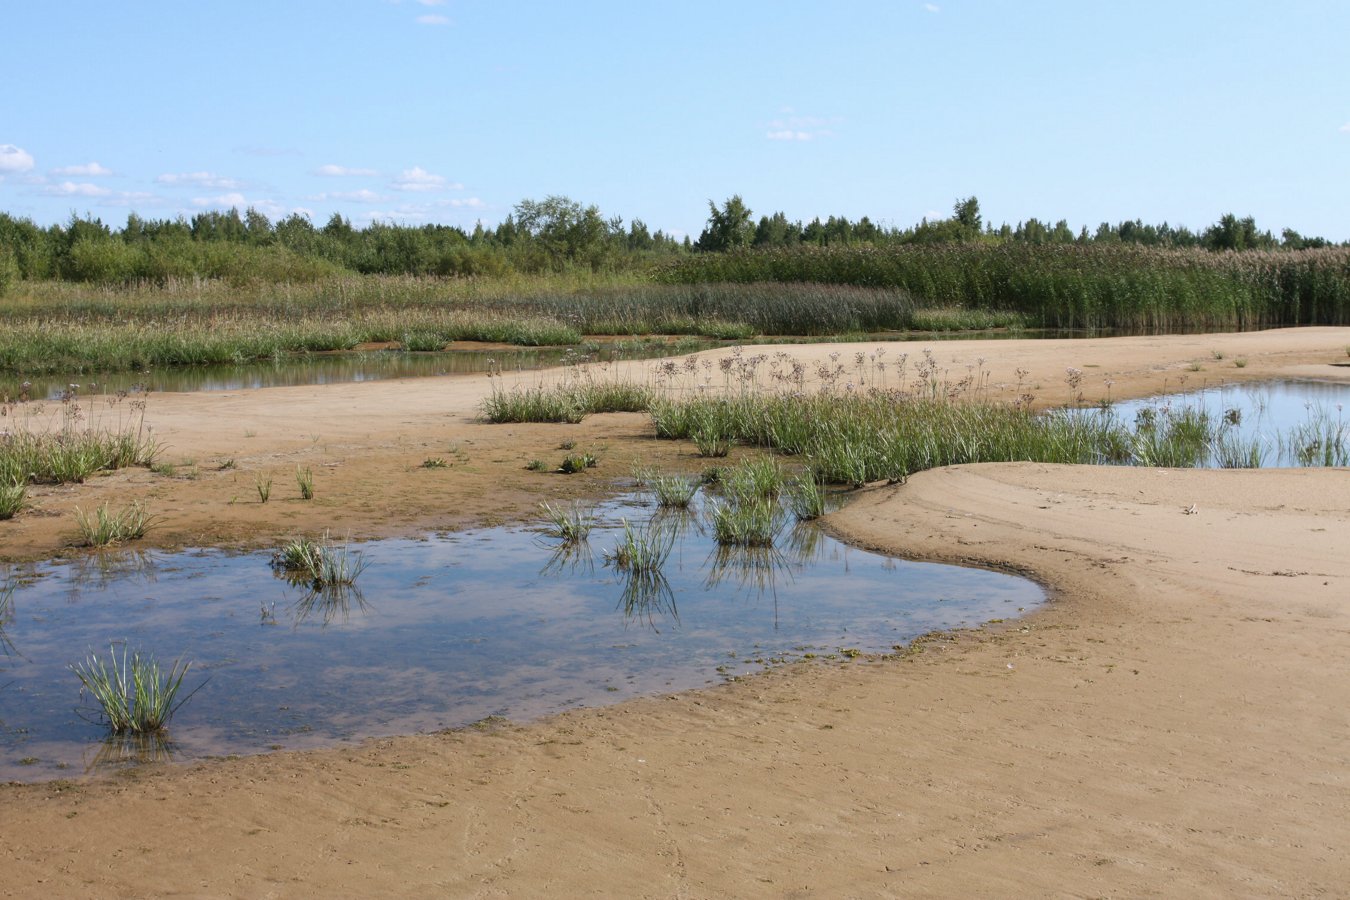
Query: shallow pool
x: 445, y: 631
x: 1286, y: 423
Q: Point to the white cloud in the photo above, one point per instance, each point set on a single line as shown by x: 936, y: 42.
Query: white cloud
x: 1344, y: 129
x: 467, y: 203
x: 361, y: 196
x: 792, y: 127
x: 432, y: 2
x: 433, y: 20
x: 224, y: 200
x: 932, y: 7
x: 419, y: 179
x: 13, y: 159
x: 88, y: 170
x: 200, y: 179
x: 71, y: 189
x: 344, y: 171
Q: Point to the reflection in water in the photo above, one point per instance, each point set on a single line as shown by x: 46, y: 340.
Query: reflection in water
x: 102, y: 568
x: 806, y: 543
x: 570, y: 558
x: 128, y: 749
x: 753, y: 570
x: 332, y: 603
x: 647, y: 595
x: 6, y: 615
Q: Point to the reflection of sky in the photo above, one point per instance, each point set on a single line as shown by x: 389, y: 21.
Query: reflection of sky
x: 1265, y: 410
x: 448, y: 630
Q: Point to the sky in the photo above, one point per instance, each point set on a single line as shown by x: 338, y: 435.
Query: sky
x: 452, y: 111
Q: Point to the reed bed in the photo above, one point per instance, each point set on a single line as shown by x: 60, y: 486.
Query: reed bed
x: 1066, y: 286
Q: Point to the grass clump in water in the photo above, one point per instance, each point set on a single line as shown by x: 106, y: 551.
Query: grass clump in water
x: 571, y: 524
x: 642, y: 549
x: 673, y: 491
x: 320, y: 564
x: 106, y: 528
x: 806, y: 498
x: 746, y: 521
x: 136, y: 695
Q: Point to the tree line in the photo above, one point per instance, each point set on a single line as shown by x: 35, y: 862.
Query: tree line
x: 550, y: 235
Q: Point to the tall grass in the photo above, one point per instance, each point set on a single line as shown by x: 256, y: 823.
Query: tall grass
x: 568, y: 403
x: 1066, y: 286
x: 72, y: 452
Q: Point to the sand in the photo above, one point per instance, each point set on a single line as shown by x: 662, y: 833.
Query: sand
x: 1174, y: 722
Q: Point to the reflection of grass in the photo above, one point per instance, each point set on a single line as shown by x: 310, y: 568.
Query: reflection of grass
x: 331, y: 602
x: 131, y: 749
x: 647, y: 594
x: 135, y: 695
x: 754, y: 569
x: 6, y: 614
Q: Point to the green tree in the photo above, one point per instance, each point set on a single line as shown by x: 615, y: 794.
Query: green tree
x: 729, y: 228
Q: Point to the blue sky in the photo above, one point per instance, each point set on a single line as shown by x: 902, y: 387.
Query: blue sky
x: 452, y: 111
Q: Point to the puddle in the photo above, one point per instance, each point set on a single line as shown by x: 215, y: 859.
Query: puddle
x: 1290, y: 423
x: 446, y: 631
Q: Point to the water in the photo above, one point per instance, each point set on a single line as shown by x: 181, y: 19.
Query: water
x: 1274, y: 415
x: 340, y: 368
x: 376, y: 365
x: 445, y: 631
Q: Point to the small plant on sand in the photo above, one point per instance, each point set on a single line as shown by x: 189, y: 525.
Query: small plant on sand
x: 1240, y: 362
x: 435, y: 462
x: 105, y: 528
x: 642, y: 550
x: 577, y: 462
x: 135, y: 695
x: 13, y: 498
x: 673, y: 491
x: 320, y: 564
x: 535, y: 465
x: 572, y: 524
x: 264, y: 486
x: 304, y: 479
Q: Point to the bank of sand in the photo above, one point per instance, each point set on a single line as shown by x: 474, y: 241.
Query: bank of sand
x: 1174, y: 722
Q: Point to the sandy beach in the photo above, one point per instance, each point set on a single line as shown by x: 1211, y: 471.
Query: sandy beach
x: 1176, y: 721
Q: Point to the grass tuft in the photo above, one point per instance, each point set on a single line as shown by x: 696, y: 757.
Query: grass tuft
x: 106, y: 528
x: 320, y: 564
x: 304, y: 479
x: 570, y: 524
x: 135, y: 694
